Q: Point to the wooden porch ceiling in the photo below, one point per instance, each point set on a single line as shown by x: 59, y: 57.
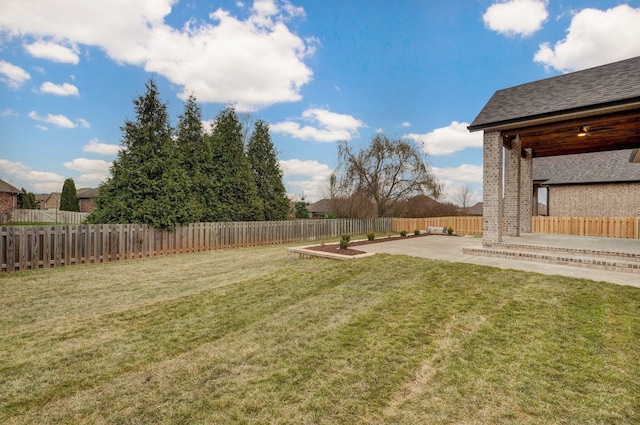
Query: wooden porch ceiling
x: 613, y: 131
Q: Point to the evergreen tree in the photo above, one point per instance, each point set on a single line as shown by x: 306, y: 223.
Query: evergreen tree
x: 196, y: 160
x: 236, y: 197
x: 301, y: 208
x: 26, y: 200
x: 267, y: 173
x: 147, y: 182
x: 69, y: 197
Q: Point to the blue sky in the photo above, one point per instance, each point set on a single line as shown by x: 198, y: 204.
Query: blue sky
x: 316, y: 71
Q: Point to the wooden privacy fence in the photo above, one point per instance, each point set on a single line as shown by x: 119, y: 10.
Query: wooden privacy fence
x: 610, y: 227
x: 460, y: 225
x: 34, y: 247
x: 46, y: 216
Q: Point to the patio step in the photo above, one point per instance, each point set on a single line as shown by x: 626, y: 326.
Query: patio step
x: 599, y: 259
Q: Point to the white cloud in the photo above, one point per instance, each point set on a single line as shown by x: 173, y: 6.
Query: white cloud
x: 42, y: 127
x: 92, y: 179
x: 466, y: 173
x: 594, y: 37
x: 298, y: 167
x: 12, y: 75
x: 93, y: 170
x: 84, y: 165
x: 454, y: 177
x: 328, y: 126
x: 516, y: 17
x: 46, y: 187
x: 9, y: 112
x: 95, y: 146
x: 405, y: 124
x: 447, y: 140
x: 28, y: 178
x: 252, y: 62
x: 52, y: 51
x: 207, y: 125
x: 65, y: 89
x: 83, y: 123
x: 58, y: 120
x: 311, y: 177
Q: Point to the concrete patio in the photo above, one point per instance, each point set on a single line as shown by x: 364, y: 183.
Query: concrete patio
x: 548, y: 254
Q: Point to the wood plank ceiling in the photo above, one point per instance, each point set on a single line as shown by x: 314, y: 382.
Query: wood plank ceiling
x: 613, y: 131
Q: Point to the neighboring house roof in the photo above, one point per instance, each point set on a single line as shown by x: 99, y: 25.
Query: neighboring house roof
x: 55, y: 196
x: 87, y: 192
x: 7, y: 188
x: 475, y: 209
x: 608, y: 85
x: 593, y: 167
x: 41, y: 197
x: 322, y: 206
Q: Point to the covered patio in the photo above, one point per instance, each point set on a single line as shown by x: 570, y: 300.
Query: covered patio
x: 593, y: 110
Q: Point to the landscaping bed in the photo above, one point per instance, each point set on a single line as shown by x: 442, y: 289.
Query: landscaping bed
x: 334, y: 248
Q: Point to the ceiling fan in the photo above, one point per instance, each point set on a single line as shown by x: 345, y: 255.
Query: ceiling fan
x: 586, y: 130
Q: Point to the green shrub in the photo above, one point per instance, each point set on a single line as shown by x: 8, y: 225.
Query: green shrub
x: 450, y: 230
x: 344, y: 242
x: 346, y: 237
x: 403, y: 233
x: 371, y: 236
x: 416, y: 232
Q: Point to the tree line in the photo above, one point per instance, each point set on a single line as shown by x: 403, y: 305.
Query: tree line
x: 165, y: 176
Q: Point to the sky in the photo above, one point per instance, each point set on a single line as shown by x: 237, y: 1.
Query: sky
x: 318, y: 72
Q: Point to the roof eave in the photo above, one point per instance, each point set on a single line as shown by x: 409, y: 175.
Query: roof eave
x: 603, y: 108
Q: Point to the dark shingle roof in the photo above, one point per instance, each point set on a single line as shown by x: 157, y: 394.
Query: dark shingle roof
x: 87, y: 192
x: 606, y: 85
x: 593, y: 167
x: 7, y: 188
x: 321, y: 206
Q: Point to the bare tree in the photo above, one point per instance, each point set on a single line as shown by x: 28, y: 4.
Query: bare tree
x: 463, y: 197
x: 386, y: 172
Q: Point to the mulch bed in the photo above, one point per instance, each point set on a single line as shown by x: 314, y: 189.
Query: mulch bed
x: 335, y: 247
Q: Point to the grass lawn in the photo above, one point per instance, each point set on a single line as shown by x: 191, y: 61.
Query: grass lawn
x: 249, y: 336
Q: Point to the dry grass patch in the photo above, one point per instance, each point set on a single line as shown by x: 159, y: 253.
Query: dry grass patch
x: 249, y: 336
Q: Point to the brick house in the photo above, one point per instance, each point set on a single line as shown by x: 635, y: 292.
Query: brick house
x: 596, y: 184
x: 41, y: 198
x: 8, y: 196
x: 592, y: 110
x: 85, y: 199
x: 51, y: 202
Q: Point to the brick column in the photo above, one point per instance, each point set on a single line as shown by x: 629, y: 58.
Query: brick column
x: 492, y: 188
x: 526, y: 191
x: 512, y: 189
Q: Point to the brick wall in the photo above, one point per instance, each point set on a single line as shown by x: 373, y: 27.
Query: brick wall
x: 512, y: 162
x: 492, y: 188
x: 526, y: 192
x: 86, y: 205
x: 8, y: 201
x: 596, y: 200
